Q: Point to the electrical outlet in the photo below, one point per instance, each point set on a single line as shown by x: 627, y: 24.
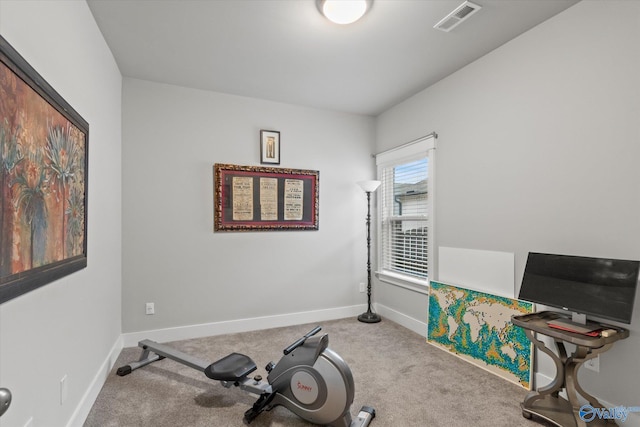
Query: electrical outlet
x: 150, y: 308
x: 361, y: 287
x: 593, y: 364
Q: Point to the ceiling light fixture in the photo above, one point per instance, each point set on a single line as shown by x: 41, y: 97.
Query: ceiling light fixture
x: 343, y: 11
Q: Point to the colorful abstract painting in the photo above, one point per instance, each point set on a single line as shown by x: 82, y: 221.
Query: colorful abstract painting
x: 42, y: 180
x: 476, y: 327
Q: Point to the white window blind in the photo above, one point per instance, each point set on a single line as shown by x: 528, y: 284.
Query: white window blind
x: 405, y: 203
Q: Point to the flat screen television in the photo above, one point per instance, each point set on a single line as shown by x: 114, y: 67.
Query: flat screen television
x: 599, y: 287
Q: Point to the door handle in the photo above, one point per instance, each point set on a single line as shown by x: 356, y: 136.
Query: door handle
x: 5, y: 400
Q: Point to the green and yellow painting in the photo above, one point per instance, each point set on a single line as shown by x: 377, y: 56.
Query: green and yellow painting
x: 477, y: 327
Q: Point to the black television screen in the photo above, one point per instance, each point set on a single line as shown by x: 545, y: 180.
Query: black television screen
x: 599, y: 287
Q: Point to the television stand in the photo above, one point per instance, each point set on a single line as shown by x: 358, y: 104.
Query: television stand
x: 545, y: 402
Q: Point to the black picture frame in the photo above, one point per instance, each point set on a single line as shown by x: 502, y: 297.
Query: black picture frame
x: 270, y: 147
x: 44, y: 173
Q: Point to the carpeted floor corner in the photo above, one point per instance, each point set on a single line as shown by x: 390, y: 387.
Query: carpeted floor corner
x: 407, y: 381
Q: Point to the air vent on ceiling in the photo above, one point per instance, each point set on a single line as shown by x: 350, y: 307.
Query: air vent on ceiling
x: 455, y: 18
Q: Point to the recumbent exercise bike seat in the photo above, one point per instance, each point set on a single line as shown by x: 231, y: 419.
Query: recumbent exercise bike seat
x: 233, y: 367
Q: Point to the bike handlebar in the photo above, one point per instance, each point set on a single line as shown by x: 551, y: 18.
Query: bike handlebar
x: 301, y: 341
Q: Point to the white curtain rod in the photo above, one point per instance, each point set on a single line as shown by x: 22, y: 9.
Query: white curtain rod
x: 431, y: 135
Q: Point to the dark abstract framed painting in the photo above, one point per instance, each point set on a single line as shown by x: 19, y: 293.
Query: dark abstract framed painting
x: 43, y: 180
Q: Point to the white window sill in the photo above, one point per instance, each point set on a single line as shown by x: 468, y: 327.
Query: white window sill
x: 416, y: 285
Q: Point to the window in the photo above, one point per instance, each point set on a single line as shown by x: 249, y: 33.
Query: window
x: 406, y: 204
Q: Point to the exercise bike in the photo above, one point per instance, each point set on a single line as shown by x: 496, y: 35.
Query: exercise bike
x: 310, y: 380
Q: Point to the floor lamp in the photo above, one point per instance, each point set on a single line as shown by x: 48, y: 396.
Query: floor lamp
x: 369, y: 187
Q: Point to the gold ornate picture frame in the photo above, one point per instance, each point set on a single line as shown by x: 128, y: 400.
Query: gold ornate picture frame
x: 259, y: 198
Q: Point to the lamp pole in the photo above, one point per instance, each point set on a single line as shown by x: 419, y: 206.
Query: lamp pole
x: 369, y: 316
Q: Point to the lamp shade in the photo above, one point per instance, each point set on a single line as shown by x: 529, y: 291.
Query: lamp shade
x: 369, y: 186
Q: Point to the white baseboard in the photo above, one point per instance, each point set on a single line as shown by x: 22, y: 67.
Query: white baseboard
x: 253, y: 324
x: 240, y: 325
x: 86, y: 403
x: 197, y: 331
x: 540, y: 380
x: 402, y: 319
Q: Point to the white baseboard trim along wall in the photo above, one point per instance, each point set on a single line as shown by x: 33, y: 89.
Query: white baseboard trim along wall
x: 198, y: 331
x: 90, y: 396
x: 241, y: 325
x: 402, y: 319
x: 253, y: 324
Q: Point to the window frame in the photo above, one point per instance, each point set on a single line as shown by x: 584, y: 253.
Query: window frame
x: 423, y: 147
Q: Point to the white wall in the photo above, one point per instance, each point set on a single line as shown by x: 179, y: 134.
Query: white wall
x: 538, y: 150
x: 172, y: 136
x: 68, y: 327
x: 541, y: 132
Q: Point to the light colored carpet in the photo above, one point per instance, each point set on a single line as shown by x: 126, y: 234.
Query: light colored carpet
x: 407, y: 381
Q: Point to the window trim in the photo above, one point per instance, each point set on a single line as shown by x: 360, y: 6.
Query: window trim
x: 404, y: 281
x: 419, y: 148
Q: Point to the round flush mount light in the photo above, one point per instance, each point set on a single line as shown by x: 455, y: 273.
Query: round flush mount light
x: 343, y: 11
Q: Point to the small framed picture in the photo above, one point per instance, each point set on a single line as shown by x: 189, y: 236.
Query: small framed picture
x: 270, y: 147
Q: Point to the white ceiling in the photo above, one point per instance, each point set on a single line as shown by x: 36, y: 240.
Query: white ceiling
x: 284, y: 50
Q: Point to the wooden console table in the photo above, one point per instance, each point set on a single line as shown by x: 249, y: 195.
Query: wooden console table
x: 545, y: 402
